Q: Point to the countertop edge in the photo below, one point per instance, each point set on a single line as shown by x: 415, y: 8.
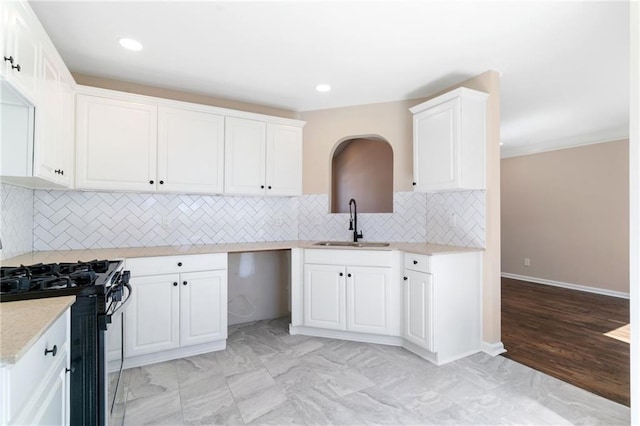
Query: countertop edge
x: 14, y: 355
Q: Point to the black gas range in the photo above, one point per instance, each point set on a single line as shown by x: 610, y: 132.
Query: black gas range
x: 102, y: 289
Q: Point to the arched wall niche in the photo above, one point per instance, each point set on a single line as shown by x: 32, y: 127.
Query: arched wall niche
x: 362, y: 169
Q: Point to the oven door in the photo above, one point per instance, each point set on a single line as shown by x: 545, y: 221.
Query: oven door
x: 115, y: 391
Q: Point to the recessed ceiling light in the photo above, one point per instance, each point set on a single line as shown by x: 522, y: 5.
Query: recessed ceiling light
x: 131, y: 44
x: 323, y: 88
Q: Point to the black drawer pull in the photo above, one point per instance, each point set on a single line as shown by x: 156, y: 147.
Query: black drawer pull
x: 415, y: 262
x: 53, y: 351
x: 405, y: 278
x: 16, y: 67
x: 179, y: 263
x: 10, y: 59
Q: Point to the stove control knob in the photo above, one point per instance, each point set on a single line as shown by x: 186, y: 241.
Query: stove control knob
x: 53, y: 351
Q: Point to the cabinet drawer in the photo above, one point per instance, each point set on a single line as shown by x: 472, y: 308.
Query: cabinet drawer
x: 352, y: 257
x: 27, y: 375
x: 417, y: 262
x: 142, y: 266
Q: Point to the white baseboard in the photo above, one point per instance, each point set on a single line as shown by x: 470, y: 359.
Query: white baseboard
x: 493, y: 349
x: 570, y: 286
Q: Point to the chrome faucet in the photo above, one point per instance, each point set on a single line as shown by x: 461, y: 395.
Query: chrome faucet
x: 353, y: 221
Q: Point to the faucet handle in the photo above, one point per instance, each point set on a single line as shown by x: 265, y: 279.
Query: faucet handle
x: 359, y: 234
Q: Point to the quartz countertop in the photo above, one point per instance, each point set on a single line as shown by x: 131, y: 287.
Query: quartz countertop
x: 23, y: 322
x: 131, y: 252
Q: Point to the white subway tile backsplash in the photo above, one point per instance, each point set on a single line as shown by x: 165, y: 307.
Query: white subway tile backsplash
x: 406, y: 223
x: 16, y: 220
x: 77, y: 220
x: 469, y: 210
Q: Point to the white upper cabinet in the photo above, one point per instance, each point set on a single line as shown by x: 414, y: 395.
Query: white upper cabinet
x: 449, y: 142
x: 21, y: 47
x: 284, y: 160
x: 245, y: 150
x: 37, y: 146
x: 139, y: 143
x: 262, y: 158
x: 115, y: 144
x: 190, y: 151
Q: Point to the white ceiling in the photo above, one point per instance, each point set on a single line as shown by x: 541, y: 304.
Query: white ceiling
x: 564, y: 65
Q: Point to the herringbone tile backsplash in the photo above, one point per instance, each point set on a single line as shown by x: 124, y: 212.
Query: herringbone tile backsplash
x: 60, y: 220
x: 16, y: 220
x: 76, y: 220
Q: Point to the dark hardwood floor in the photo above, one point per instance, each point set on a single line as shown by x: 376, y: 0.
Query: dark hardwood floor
x: 561, y: 333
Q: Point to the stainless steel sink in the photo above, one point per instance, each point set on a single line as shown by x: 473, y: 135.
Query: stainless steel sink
x: 350, y: 244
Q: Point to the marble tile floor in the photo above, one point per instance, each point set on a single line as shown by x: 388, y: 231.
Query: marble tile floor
x: 268, y: 377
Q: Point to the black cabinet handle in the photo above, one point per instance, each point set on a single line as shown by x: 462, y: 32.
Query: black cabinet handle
x: 261, y: 186
x: 184, y: 283
x: 405, y: 278
x: 415, y: 262
x: 70, y: 370
x: 414, y: 184
x: 151, y: 182
x: 175, y: 284
x: 349, y: 275
x: 16, y: 67
x: 179, y: 263
x: 161, y: 182
x: 341, y: 274
x: 10, y: 59
x: 53, y: 351
x: 269, y: 187
x: 62, y: 172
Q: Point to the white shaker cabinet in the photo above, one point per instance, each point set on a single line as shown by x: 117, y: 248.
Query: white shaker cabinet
x: 262, y: 158
x: 35, y: 390
x: 352, y: 291
x: 190, y: 151
x: 116, y: 144
x: 36, y: 142
x: 178, y: 307
x: 325, y: 296
x: 21, y: 46
x: 442, y: 299
x: 449, y: 142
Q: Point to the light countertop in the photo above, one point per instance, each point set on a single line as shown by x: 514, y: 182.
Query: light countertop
x: 131, y: 252
x: 23, y: 322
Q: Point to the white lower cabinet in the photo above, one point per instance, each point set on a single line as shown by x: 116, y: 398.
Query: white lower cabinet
x: 35, y: 390
x: 418, y: 308
x: 353, y: 297
x: 175, y: 314
x: 442, y: 315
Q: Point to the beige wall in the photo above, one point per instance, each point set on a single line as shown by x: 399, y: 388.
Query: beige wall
x: 568, y: 211
x: 393, y: 121
x: 141, y: 89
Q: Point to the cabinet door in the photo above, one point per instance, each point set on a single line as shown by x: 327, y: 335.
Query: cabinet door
x: 284, y: 160
x: 244, y: 154
x: 116, y: 144
x: 203, y: 307
x: 436, y: 147
x: 65, y: 150
x: 54, y: 407
x: 190, y: 151
x: 152, y: 323
x: 324, y: 296
x: 369, y: 308
x: 49, y: 126
x: 418, y: 309
x: 23, y: 46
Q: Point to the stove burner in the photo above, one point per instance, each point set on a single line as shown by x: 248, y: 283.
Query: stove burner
x: 52, y: 276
